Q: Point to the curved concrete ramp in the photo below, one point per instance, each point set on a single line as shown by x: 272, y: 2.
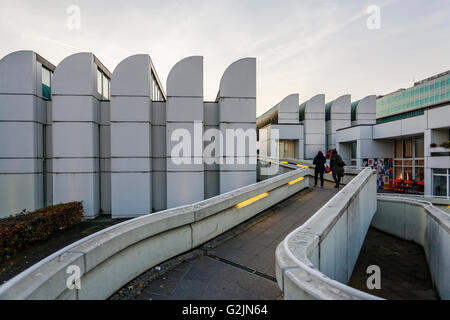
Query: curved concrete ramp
x: 239, y: 264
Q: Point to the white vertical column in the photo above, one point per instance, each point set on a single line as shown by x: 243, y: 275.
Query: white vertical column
x: 427, y: 135
x: 340, y: 117
x: 237, y: 116
x: 185, y: 168
x: 314, y: 126
x: 366, y: 111
x: 131, y: 126
x: 22, y: 120
x: 75, y: 133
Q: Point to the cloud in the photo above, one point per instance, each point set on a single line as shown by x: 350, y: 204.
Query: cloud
x: 308, y: 47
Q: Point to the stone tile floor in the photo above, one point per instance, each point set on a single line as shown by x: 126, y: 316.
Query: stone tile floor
x: 239, y: 264
x: 404, y: 269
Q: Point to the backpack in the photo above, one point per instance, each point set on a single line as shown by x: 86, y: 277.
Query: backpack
x: 340, y: 162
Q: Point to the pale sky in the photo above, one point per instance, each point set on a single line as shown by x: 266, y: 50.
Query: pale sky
x: 306, y: 47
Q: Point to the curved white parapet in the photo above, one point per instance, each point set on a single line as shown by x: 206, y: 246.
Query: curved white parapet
x: 238, y: 80
x: 185, y: 79
x: 18, y: 73
x: 315, y: 106
x: 288, y: 109
x: 340, y: 109
x: 132, y: 77
x: 76, y: 75
x: 109, y: 259
x: 421, y: 222
x: 365, y: 112
x: 317, y: 259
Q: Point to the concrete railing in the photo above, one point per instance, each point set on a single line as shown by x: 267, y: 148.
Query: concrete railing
x: 317, y: 259
x: 421, y: 222
x: 109, y: 259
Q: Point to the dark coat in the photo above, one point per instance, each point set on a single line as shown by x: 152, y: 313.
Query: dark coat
x: 320, y: 161
x: 335, y: 160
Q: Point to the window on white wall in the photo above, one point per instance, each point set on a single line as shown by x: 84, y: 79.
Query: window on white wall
x: 46, y: 83
x: 441, y: 182
x: 409, y: 159
x: 103, y: 85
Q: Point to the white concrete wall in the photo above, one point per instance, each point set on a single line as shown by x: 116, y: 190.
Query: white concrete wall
x: 22, y: 125
x: 237, y: 110
x: 366, y: 146
x: 131, y: 138
x: 340, y: 117
x: 426, y: 225
x: 404, y: 127
x: 438, y: 117
x: 316, y: 260
x: 185, y: 170
x: 75, y: 164
x: 314, y: 126
x: 109, y: 154
x: 288, y: 110
x: 366, y: 111
x: 288, y: 128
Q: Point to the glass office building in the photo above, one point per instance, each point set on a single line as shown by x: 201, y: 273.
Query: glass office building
x: 411, y: 102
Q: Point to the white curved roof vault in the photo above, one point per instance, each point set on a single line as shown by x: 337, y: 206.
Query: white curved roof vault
x: 76, y: 74
x: 316, y: 104
x: 288, y: 109
x: 367, y: 105
x: 290, y: 103
x: 238, y: 80
x: 132, y: 77
x: 185, y: 79
x: 18, y: 73
x: 341, y: 105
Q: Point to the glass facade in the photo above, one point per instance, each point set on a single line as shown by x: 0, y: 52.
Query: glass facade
x: 286, y: 149
x: 354, y: 107
x: 354, y: 160
x: 425, y: 93
x: 46, y: 83
x: 401, y: 116
x: 103, y: 86
x: 409, y: 159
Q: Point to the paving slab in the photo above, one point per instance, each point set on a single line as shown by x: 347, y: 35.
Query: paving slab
x: 404, y: 269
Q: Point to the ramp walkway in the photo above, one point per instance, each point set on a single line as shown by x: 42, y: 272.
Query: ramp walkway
x: 239, y: 264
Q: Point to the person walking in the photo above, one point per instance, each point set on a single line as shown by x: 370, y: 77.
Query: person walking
x: 319, y: 161
x: 337, y: 167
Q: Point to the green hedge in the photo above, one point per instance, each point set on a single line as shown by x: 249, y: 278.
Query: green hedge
x: 20, y: 231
